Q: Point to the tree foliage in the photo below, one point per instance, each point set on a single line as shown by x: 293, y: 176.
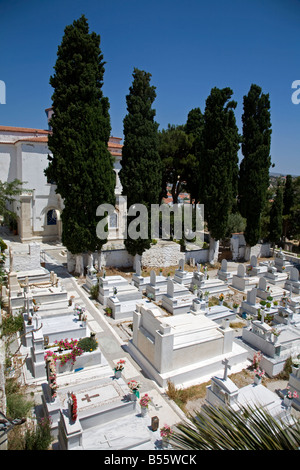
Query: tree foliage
x: 9, y: 190
x: 276, y: 221
x: 81, y: 165
x: 141, y: 172
x: 254, y: 168
x: 219, y: 160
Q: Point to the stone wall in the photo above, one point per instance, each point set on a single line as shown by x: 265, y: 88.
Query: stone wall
x: 163, y: 254
x: 238, y: 248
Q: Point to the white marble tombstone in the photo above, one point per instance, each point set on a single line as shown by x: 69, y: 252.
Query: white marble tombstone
x: 253, y: 261
x: 241, y: 270
x: 251, y: 296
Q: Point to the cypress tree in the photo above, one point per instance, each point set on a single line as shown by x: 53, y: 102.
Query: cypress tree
x: 141, y: 172
x: 219, y: 161
x: 254, y: 168
x: 194, y: 128
x: 276, y: 216
x: 288, y: 203
x: 81, y: 165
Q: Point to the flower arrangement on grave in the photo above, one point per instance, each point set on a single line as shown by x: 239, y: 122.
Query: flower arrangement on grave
x: 166, y: 431
x: 145, y: 400
x: 51, y: 372
x: 283, y: 268
x: 206, y: 293
x: 79, y: 310
x: 259, y: 374
x: 275, y: 332
x: 269, y: 298
x: 235, y: 305
x: 290, y: 395
x: 134, y: 385
x: 71, y: 346
x: 120, y: 364
x: 74, y: 411
x: 71, y: 299
x: 257, y: 357
x: 249, y: 268
x: 221, y: 297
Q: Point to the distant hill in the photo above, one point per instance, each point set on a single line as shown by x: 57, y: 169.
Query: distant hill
x: 277, y: 175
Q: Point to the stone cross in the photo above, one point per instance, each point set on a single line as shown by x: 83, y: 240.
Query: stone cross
x: 88, y: 398
x: 227, y: 366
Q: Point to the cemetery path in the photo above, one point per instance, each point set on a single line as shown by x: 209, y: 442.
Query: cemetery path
x: 112, y: 346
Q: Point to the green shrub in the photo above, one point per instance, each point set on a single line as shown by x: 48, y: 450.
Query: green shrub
x: 94, y: 291
x: 88, y: 344
x: 39, y: 438
x: 11, y: 324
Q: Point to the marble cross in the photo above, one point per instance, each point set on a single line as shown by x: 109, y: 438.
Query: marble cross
x: 88, y: 398
x: 227, y: 366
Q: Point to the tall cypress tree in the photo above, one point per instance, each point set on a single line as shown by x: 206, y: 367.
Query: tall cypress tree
x: 275, y: 230
x: 254, y: 168
x: 141, y: 172
x: 219, y: 161
x: 81, y: 165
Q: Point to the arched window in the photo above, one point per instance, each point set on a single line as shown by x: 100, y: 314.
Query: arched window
x: 113, y: 221
x: 51, y: 217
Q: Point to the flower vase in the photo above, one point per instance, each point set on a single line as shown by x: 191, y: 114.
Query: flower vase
x: 165, y: 443
x: 220, y: 302
x: 144, y: 410
x: 118, y: 373
x: 287, y: 401
x: 257, y: 380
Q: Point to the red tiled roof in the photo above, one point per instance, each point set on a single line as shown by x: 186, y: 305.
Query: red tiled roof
x: 24, y: 130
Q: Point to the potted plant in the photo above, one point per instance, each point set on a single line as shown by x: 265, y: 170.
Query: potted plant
x: 221, y: 299
x: 108, y: 311
x: 165, y: 434
x: 144, y: 403
x: 134, y: 386
x: 275, y: 334
x: 258, y: 376
x: 235, y: 306
x: 289, y: 397
x: 119, y: 367
x: 268, y: 305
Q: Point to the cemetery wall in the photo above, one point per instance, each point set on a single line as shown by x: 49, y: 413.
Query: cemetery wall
x: 162, y: 255
x: 27, y: 260
x: 238, y: 248
x: 200, y: 256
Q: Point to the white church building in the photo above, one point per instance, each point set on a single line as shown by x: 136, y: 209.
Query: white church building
x: 24, y: 155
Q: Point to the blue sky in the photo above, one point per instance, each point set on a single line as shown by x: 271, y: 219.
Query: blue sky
x: 188, y: 47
